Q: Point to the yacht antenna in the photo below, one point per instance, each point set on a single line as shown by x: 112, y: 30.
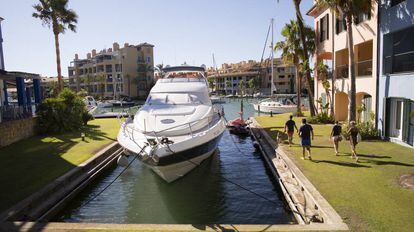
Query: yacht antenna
x: 217, y: 72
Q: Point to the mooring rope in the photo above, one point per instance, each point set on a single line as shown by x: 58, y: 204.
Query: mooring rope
x: 113, y: 181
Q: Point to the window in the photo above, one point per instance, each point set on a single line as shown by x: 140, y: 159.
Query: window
x: 396, y: 2
x: 282, y: 76
x: 118, y: 67
x: 70, y: 73
x: 148, y: 59
x: 110, y: 88
x: 109, y: 78
x: 362, y: 17
x: 340, y: 25
x: 324, y: 28
x: 399, y: 51
x: 108, y: 68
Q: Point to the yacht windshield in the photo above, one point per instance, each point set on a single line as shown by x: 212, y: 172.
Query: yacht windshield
x: 176, y: 99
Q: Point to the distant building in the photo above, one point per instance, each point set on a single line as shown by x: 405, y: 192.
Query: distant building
x: 227, y: 78
x: 50, y: 84
x: 396, y: 71
x: 126, y: 71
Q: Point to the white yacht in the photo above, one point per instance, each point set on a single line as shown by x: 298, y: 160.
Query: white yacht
x: 273, y: 106
x: 177, y: 127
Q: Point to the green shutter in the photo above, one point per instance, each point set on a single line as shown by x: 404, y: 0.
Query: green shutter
x: 386, y: 117
x: 406, y: 120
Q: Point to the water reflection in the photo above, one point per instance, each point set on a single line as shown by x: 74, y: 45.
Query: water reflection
x: 204, y: 196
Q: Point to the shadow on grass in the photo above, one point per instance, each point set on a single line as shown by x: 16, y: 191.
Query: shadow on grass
x: 28, y: 165
x: 371, y: 156
x: 345, y: 164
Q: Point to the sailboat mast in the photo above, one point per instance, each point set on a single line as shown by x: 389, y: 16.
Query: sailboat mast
x: 271, y: 59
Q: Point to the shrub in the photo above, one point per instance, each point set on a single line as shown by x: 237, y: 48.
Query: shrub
x: 321, y: 118
x: 367, y: 130
x: 67, y: 112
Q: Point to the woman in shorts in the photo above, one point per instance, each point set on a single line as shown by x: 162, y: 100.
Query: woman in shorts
x: 353, y: 139
x: 336, y: 136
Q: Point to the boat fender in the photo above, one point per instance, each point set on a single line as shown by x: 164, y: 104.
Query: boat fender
x: 256, y: 144
x: 122, y: 161
x: 148, y: 151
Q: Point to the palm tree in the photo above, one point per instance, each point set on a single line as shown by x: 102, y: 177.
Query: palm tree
x: 228, y: 85
x: 143, y: 70
x: 55, y: 14
x: 241, y: 86
x: 251, y: 84
x: 159, y: 68
x: 350, y: 9
x: 306, y: 52
x: 293, y: 52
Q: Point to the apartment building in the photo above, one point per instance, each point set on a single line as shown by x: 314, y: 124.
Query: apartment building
x: 227, y: 78
x: 114, y: 72
x: 332, y: 50
x: 396, y: 71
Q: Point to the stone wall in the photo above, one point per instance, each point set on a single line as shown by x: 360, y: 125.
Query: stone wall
x: 13, y: 131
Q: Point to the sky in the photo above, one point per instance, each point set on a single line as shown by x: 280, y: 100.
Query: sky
x: 182, y: 30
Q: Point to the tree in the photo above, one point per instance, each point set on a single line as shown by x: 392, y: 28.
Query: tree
x: 211, y: 83
x: 159, y: 68
x: 322, y: 70
x: 251, y: 84
x: 143, y: 70
x: 293, y: 52
x: 306, y: 52
x: 55, y: 14
x: 242, y: 87
x: 349, y: 9
x: 101, y: 79
x: 228, y: 85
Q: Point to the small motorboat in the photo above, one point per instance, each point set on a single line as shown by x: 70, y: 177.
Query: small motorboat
x: 276, y: 107
x: 238, y: 126
x: 217, y: 100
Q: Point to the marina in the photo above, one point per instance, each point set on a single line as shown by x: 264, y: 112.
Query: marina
x: 207, y: 115
x: 203, y: 196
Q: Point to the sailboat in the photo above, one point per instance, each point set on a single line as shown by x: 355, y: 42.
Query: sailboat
x: 272, y: 105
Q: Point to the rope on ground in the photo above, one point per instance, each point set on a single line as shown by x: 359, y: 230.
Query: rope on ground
x: 230, y: 181
x: 113, y: 181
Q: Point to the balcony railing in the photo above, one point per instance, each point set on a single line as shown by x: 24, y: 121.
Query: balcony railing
x: 364, y: 68
x: 15, y: 112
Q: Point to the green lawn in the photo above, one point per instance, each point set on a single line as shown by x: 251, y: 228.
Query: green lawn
x: 30, y: 164
x: 366, y: 194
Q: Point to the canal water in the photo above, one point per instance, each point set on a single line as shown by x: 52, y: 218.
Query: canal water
x: 218, y: 191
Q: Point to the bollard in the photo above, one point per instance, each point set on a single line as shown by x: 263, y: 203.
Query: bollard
x: 258, y: 108
x: 271, y: 113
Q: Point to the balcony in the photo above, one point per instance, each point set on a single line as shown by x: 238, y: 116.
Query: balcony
x: 364, y: 68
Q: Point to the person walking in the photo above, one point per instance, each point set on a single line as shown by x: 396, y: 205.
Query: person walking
x: 336, y: 136
x: 305, y: 132
x: 290, y: 126
x: 353, y: 139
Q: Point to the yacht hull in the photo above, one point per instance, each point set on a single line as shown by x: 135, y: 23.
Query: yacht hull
x: 275, y: 110
x: 176, y: 165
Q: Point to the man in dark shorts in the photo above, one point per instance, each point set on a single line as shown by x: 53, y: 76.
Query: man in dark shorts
x: 305, y: 132
x: 290, y: 126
